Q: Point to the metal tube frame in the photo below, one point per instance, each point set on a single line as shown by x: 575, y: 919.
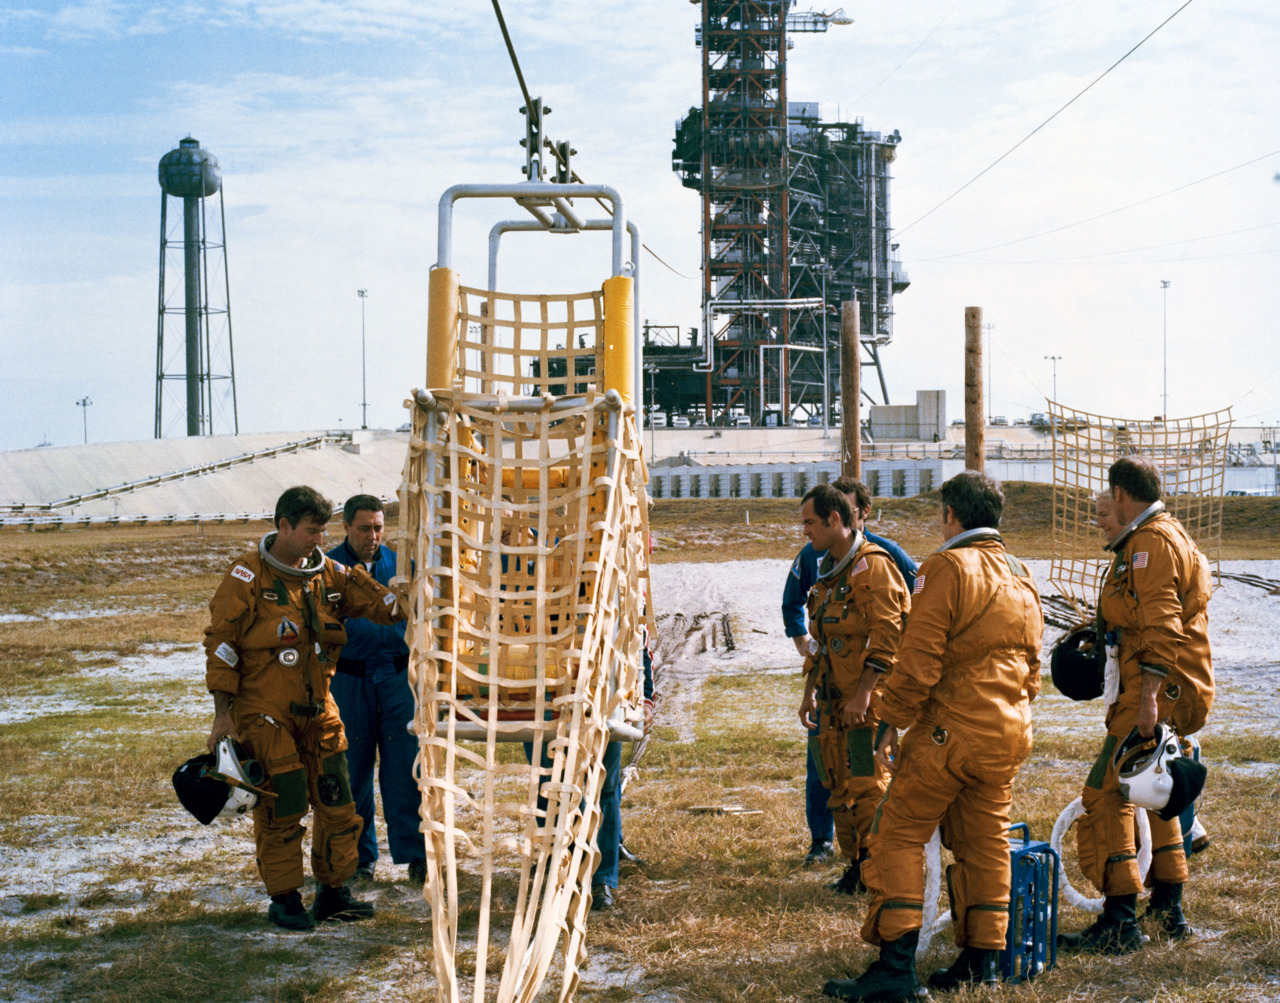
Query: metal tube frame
x: 535, y: 197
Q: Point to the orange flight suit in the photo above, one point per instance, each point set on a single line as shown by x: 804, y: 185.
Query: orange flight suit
x: 272, y: 643
x: 968, y: 669
x: 856, y: 613
x: 1156, y: 596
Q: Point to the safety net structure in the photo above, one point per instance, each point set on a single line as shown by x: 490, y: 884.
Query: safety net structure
x: 523, y: 512
x: 1191, y: 455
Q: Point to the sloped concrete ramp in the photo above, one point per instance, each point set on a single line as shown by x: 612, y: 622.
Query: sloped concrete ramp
x: 204, y: 475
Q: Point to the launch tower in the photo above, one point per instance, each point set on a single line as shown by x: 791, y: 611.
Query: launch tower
x: 795, y: 221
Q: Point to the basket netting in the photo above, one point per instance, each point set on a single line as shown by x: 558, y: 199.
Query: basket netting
x: 526, y: 346
x: 526, y: 523
x: 1191, y: 454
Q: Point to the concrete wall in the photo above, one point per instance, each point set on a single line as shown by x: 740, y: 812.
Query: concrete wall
x: 923, y: 421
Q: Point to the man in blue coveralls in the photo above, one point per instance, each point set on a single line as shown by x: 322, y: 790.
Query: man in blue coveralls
x: 372, y: 691
x: 604, y: 882
x: 804, y: 572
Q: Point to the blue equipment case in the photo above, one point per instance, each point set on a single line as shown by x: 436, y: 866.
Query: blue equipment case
x: 1031, y: 945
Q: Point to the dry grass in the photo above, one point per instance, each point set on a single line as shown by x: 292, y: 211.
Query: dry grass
x: 708, y: 529
x: 723, y: 911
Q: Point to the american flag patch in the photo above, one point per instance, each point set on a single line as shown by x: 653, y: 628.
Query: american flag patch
x: 1140, y: 560
x: 859, y: 567
x: 919, y: 584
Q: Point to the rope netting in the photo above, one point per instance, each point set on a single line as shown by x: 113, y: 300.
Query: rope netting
x: 1191, y: 455
x: 529, y: 345
x: 522, y: 509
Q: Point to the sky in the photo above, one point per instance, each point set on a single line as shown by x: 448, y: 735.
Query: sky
x: 337, y: 126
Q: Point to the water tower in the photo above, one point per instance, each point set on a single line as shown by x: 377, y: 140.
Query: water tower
x: 204, y: 366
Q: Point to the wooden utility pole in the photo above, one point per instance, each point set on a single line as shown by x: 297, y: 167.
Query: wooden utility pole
x: 974, y: 426
x: 850, y: 391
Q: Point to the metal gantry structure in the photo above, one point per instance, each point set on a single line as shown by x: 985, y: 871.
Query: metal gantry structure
x: 795, y: 221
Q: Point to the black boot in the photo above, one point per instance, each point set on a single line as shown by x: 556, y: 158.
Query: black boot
x: 1166, y: 909
x: 287, y: 911
x: 976, y: 966
x: 1114, y: 932
x: 339, y: 903
x: 850, y: 882
x: 891, y: 978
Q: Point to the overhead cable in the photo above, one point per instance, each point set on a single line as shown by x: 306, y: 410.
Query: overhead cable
x: 1143, y: 247
x: 1024, y: 139
x: 1101, y: 215
x: 511, y: 51
x: 885, y: 78
x: 554, y: 147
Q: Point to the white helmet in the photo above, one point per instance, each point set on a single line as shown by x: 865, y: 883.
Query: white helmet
x: 244, y: 778
x: 1154, y: 774
x: 223, y: 785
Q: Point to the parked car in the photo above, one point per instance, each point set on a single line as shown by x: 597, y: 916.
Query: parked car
x: 742, y: 421
x: 999, y: 420
x: 680, y: 421
x: 657, y: 419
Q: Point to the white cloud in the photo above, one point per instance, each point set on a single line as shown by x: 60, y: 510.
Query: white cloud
x: 338, y: 126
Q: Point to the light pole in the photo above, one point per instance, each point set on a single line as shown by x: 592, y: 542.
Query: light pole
x: 1164, y: 295
x: 85, y: 403
x: 364, y: 396
x: 652, y: 369
x: 1054, y: 359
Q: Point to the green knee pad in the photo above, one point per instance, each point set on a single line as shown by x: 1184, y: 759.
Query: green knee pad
x: 334, y: 783
x: 860, y: 745
x: 291, y: 793
x: 1099, y: 772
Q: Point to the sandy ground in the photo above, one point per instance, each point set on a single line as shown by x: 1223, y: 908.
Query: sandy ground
x: 1244, y: 625
x: 715, y: 619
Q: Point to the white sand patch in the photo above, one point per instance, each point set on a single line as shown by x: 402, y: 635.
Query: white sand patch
x: 73, y: 613
x: 1244, y: 630
x: 133, y: 672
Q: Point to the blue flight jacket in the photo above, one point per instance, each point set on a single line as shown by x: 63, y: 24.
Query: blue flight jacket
x: 370, y: 644
x: 804, y: 572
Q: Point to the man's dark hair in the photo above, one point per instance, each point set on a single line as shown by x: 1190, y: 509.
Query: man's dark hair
x: 975, y: 499
x: 360, y: 503
x: 860, y: 492
x: 1138, y: 476
x: 826, y: 499
x: 301, y: 502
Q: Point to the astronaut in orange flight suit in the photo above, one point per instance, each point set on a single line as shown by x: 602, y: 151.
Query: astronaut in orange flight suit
x: 272, y: 644
x: 967, y: 670
x: 857, y: 609
x: 1155, y: 597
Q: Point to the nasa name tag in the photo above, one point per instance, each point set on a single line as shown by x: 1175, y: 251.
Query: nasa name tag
x: 227, y: 654
x: 388, y: 599
x: 241, y: 572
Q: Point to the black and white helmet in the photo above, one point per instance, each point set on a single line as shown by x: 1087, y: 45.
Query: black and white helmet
x: 1154, y: 774
x: 226, y: 784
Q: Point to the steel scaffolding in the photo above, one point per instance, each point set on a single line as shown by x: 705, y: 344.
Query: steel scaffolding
x: 795, y: 220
